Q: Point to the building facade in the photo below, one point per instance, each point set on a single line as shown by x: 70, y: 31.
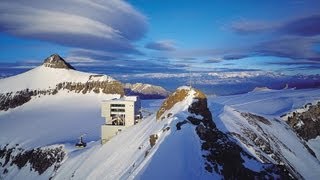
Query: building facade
x: 119, y: 114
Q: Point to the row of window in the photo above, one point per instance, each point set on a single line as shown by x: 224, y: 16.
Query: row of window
x: 117, y: 110
x: 117, y: 105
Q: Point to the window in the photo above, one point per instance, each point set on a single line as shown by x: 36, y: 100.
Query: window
x: 117, y: 110
x: 117, y: 105
x: 118, y: 120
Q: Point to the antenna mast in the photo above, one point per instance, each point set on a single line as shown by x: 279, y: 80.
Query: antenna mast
x: 190, y: 82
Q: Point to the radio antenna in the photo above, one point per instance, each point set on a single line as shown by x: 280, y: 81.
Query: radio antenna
x: 190, y: 79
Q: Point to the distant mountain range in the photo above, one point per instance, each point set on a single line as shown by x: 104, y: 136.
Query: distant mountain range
x: 218, y: 82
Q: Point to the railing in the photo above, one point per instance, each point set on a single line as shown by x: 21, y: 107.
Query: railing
x: 113, y: 124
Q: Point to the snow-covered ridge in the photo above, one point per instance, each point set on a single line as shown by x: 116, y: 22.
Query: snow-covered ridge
x: 257, y: 89
x: 148, y: 91
x: 179, y: 96
x: 53, y: 76
x: 213, y: 148
x: 254, y: 120
x: 53, y: 71
x: 188, y: 143
x: 168, y: 149
x: 126, y: 155
x: 47, y: 78
x: 271, y: 141
x: 96, y: 84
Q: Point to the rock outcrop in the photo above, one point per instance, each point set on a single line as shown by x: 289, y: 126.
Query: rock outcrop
x: 268, y: 146
x: 307, y: 123
x: 178, y: 96
x: 55, y: 61
x: 87, y: 83
x: 222, y: 155
x: 14, y: 99
x: 38, y: 159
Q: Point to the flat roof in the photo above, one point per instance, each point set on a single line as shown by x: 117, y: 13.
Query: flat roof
x: 125, y: 98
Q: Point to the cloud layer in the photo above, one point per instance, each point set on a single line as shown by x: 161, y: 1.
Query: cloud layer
x: 295, y: 39
x: 111, y: 25
x: 303, y: 26
x: 163, y: 45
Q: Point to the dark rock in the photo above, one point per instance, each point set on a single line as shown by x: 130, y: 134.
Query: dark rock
x: 306, y: 124
x: 179, y: 124
x: 153, y: 139
x: 220, y: 150
x: 252, y: 117
x: 40, y: 159
x: 12, y: 100
x: 55, y: 61
x: 193, y: 120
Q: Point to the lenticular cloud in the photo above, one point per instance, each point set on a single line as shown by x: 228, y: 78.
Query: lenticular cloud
x: 99, y: 25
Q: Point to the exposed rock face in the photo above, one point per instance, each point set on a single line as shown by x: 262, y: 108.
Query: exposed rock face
x: 252, y: 118
x: 145, y: 91
x: 266, y: 146
x: 178, y: 96
x: 306, y: 124
x: 12, y: 100
x: 94, y: 83
x: 55, y: 61
x: 221, y: 153
x: 105, y: 87
x: 39, y: 159
x: 15, y: 99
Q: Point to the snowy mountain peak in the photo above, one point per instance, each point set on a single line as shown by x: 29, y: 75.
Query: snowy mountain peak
x: 146, y: 91
x: 55, y: 61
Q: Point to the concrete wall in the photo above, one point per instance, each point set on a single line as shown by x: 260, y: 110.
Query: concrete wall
x: 105, y: 110
x: 108, y: 131
x: 129, y: 113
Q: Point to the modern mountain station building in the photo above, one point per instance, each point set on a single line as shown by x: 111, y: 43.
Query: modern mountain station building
x: 119, y: 114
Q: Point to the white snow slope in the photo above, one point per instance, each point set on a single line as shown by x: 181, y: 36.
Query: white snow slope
x: 129, y: 155
x: 60, y: 119
x: 271, y: 105
x: 45, y: 120
x: 43, y: 77
x: 52, y: 119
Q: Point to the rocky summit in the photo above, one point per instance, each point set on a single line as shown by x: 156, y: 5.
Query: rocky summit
x: 61, y: 76
x: 55, y: 61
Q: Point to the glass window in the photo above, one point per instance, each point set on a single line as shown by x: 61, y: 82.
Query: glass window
x: 117, y: 110
x: 117, y: 105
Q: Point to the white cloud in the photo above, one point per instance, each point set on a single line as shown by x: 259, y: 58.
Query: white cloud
x: 162, y: 45
x: 111, y: 25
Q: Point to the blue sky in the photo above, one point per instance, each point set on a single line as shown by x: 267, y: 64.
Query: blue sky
x: 207, y: 35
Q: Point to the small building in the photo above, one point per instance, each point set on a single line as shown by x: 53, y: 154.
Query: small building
x: 119, y: 114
